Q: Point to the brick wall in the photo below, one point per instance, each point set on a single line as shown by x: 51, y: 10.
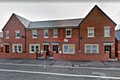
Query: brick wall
x: 18, y: 55
x: 12, y: 25
x: 97, y: 20
x: 61, y: 35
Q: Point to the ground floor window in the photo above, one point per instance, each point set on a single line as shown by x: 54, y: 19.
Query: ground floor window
x: 91, y: 48
x: 69, y: 48
x: 34, y: 48
x: 17, y: 48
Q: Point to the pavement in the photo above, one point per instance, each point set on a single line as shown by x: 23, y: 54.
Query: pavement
x: 101, y: 64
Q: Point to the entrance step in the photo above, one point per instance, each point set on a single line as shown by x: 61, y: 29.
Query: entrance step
x: 40, y: 57
x: 116, y: 59
x: 49, y: 57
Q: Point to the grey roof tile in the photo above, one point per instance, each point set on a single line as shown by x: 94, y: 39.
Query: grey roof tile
x: 1, y: 35
x: 56, y: 23
x: 24, y: 21
x: 117, y: 34
x: 50, y: 24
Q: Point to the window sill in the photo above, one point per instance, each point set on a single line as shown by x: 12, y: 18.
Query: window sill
x: 32, y: 52
x: 34, y: 37
x: 68, y: 53
x: 7, y: 38
x: 91, y: 36
x: 17, y: 38
x: 91, y: 53
x: 55, y: 37
x: 68, y: 37
x: 107, y: 36
x: 45, y: 37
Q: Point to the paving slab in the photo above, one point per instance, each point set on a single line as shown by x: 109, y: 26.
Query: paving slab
x: 63, y: 63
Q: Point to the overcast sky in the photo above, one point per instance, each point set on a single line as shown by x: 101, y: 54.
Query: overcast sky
x: 39, y: 10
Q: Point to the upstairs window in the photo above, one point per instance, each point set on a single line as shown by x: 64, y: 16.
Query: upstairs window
x: 17, y: 34
x: 46, y: 33
x: 68, y: 33
x: 34, y: 33
x: 7, y: 34
x: 106, y: 31
x: 55, y: 33
x: 91, y: 32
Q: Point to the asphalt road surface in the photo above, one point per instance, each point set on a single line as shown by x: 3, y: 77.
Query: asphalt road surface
x: 34, y: 72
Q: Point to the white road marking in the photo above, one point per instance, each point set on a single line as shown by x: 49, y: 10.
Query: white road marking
x: 100, y: 74
x: 60, y: 74
x: 57, y: 66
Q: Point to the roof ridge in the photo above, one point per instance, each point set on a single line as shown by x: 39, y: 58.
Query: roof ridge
x: 59, y: 20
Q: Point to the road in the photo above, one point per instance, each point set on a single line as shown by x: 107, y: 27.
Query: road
x: 34, y: 72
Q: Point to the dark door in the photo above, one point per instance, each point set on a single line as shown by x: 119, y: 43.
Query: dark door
x: 108, y: 48
x: 46, y: 48
x: 6, y: 48
x: 55, y: 48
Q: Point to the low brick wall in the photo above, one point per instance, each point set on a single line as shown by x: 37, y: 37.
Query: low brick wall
x: 18, y: 55
x: 118, y: 56
x: 82, y: 57
x: 1, y: 49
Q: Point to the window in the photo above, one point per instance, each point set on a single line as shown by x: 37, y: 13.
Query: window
x: 34, y: 48
x: 69, y: 48
x: 34, y: 33
x: 91, y: 32
x: 46, y: 33
x: 68, y: 33
x: 88, y: 49
x: 91, y: 48
x: 17, y: 34
x: 7, y: 34
x: 106, y: 31
x: 55, y: 33
x: 17, y: 48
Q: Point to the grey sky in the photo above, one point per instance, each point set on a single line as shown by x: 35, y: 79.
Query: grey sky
x: 38, y: 10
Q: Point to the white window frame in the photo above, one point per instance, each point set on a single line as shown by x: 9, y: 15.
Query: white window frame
x: 7, y: 37
x: 91, y: 48
x: 105, y: 32
x: 34, y: 32
x: 55, y: 33
x: 70, y: 36
x: 68, y: 49
x: 17, y: 31
x: 90, y: 32
x: 46, y: 30
x: 34, y: 47
x: 17, y: 48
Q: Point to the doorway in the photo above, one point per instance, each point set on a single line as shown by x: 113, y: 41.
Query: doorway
x: 108, y: 48
x: 6, y: 48
x: 55, y: 48
x: 46, y: 48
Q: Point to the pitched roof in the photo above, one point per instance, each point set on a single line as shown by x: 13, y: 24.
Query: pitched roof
x: 117, y: 34
x: 101, y: 11
x: 1, y: 35
x: 56, y: 23
x: 24, y: 21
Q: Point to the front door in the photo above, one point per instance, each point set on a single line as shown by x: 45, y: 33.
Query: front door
x: 46, y: 48
x: 108, y: 48
x: 55, y: 48
x: 6, y: 48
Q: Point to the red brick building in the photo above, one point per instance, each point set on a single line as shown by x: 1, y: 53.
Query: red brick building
x: 89, y: 38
